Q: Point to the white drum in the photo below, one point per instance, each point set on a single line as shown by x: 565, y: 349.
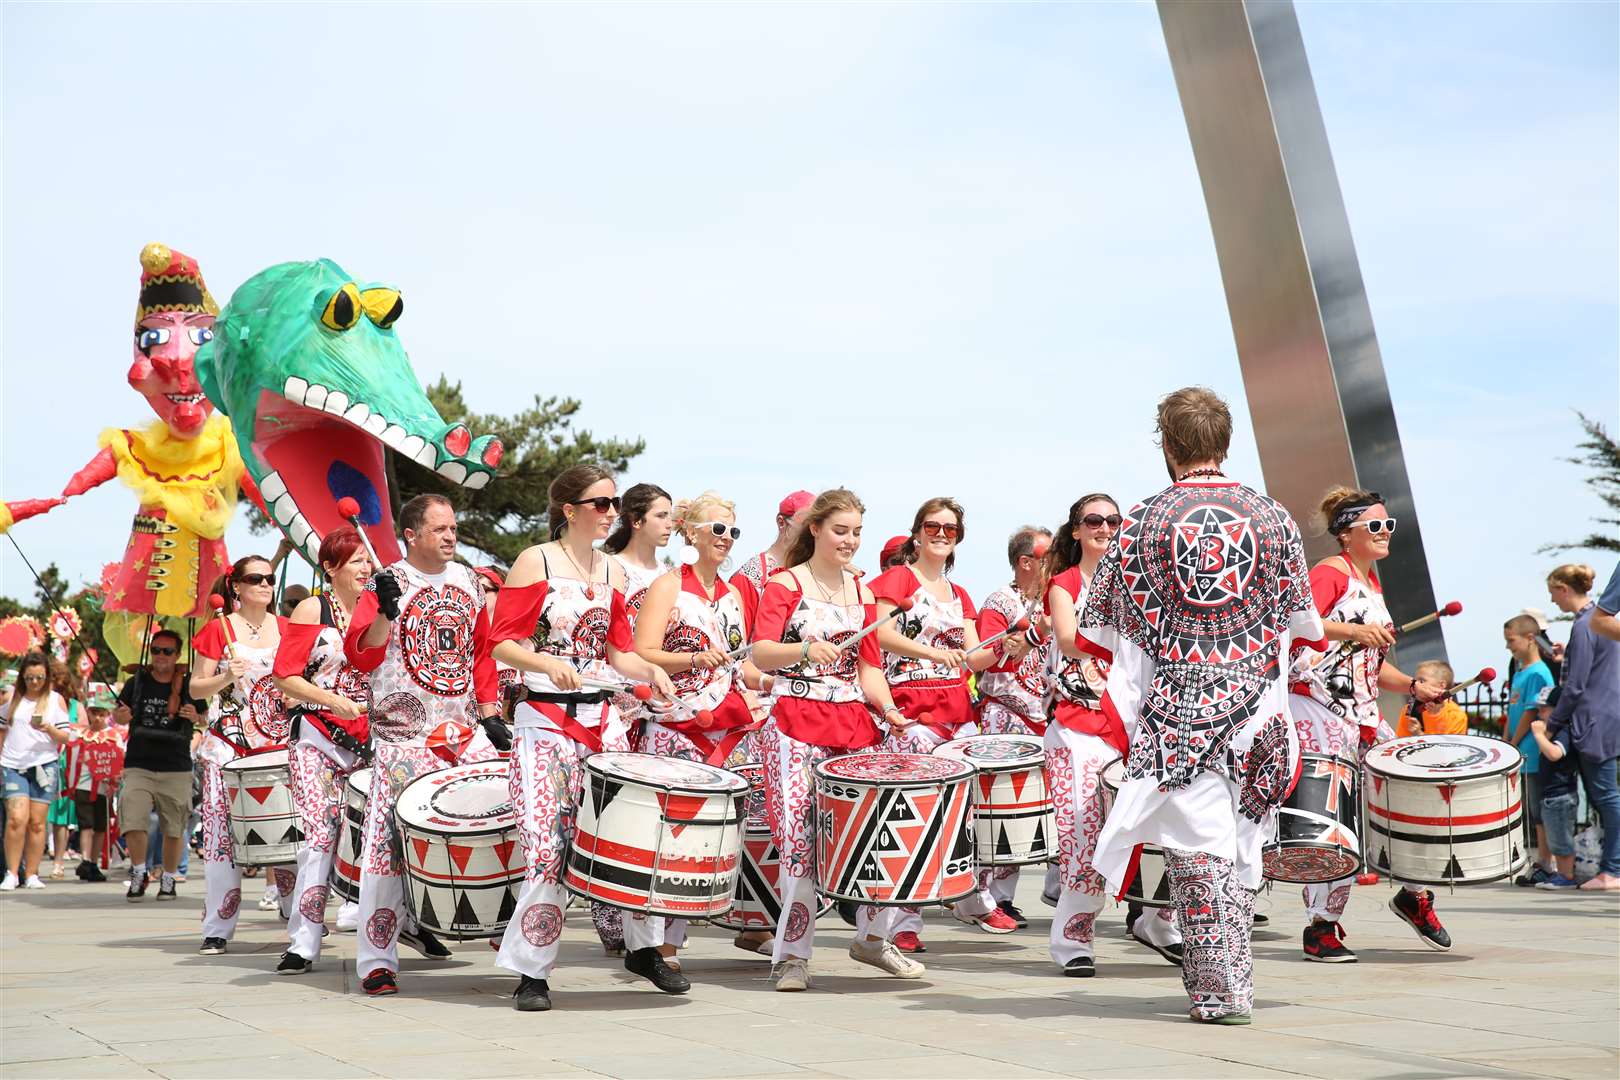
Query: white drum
x: 345, y: 878
x: 1012, y: 811
x: 1151, y: 885
x: 1444, y: 810
x: 264, y: 818
x: 657, y: 835
x: 464, y: 865
x: 757, y: 903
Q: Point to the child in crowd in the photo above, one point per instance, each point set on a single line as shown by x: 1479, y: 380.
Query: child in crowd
x: 1441, y: 716
x: 1532, y: 677
x: 1559, y: 775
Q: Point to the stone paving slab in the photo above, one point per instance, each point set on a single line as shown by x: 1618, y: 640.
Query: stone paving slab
x: 92, y: 986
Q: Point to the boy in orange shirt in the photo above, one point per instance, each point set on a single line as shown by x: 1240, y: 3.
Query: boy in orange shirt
x: 1439, y: 717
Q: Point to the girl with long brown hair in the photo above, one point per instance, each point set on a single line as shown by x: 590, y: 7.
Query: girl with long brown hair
x: 36, y: 726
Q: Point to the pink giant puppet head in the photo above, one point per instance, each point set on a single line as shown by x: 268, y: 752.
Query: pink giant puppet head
x: 174, y: 317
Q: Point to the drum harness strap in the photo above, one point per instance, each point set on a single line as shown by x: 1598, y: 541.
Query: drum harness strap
x: 566, y: 717
x: 1036, y: 724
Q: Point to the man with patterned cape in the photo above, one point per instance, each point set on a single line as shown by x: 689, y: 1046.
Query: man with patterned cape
x: 1194, y: 608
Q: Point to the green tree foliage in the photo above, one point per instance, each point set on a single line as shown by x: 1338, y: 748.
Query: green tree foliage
x: 1600, y: 454
x: 53, y: 591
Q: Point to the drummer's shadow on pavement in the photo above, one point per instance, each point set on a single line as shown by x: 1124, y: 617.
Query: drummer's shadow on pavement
x: 1077, y: 1003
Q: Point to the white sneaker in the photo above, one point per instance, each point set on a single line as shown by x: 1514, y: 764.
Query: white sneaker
x: 883, y: 955
x: 33, y: 882
x: 267, y: 902
x: 792, y: 976
x: 10, y: 884
x: 348, y: 917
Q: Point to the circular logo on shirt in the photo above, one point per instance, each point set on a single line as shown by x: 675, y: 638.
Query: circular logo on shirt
x: 398, y: 718
x: 267, y: 711
x: 590, y: 633
x: 542, y: 924
x: 436, y: 639
x: 682, y: 638
x: 1214, y: 550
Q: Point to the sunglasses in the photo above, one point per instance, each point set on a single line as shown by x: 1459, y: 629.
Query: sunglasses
x: 720, y: 528
x: 602, y: 504
x: 940, y: 528
x: 256, y: 579
x: 1097, y: 521
x: 165, y: 650
x: 1375, y: 526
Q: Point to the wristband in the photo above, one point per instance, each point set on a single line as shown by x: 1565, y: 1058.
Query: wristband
x: 804, y: 653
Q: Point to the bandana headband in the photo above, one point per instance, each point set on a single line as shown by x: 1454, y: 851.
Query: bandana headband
x: 1346, y: 515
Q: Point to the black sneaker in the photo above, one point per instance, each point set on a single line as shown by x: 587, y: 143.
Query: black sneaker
x: 1009, y: 909
x: 1535, y: 877
x: 1172, y: 953
x: 166, y: 888
x: 137, y: 884
x: 846, y: 911
x: 425, y: 942
x: 380, y: 983
x: 531, y: 995
x: 650, y: 966
x: 1133, y: 911
x: 1417, y: 910
x: 89, y: 871
x: 212, y: 946
x: 1324, y: 944
x: 293, y: 964
x: 1261, y: 919
x: 1081, y: 967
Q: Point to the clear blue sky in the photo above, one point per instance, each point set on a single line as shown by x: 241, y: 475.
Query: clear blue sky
x: 972, y: 235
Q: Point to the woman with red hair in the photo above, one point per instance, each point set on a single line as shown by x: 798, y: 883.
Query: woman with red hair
x: 327, y: 700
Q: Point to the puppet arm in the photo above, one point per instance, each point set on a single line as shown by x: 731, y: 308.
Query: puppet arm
x: 102, y: 467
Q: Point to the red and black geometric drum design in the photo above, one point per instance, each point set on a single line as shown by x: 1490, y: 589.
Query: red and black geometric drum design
x: 1012, y: 811
x: 1318, y: 825
x: 657, y: 835
x: 464, y: 864
x: 436, y: 639
x: 757, y: 902
x: 1445, y: 809
x: 264, y: 818
x: 894, y: 829
x: 345, y: 879
x: 1150, y: 885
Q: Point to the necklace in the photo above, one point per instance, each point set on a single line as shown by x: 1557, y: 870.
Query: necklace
x: 1212, y: 471
x: 252, y: 630
x: 590, y: 589
x: 826, y: 593
x: 340, y: 614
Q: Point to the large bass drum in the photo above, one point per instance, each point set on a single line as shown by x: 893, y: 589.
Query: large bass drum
x: 1445, y: 809
x: 1012, y: 811
x: 757, y: 903
x: 1318, y: 825
x: 264, y: 817
x: 464, y: 865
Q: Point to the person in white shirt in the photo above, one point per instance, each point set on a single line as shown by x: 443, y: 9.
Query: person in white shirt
x: 34, y: 728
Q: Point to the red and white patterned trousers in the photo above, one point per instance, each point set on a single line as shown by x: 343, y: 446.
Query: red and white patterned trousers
x: 222, y: 878
x: 318, y: 785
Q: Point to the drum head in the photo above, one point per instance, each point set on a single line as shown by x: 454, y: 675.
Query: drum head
x: 1439, y: 759
x: 360, y: 782
x: 995, y: 751
x: 894, y: 769
x: 267, y: 759
x: 471, y: 798
x: 669, y: 774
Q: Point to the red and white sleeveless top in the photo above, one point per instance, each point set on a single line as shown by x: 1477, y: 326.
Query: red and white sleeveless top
x: 636, y: 581
x: 435, y: 667
x: 819, y: 704
x: 314, y: 651
x: 1021, y: 687
x: 1342, y: 679
x: 249, y: 710
x: 1076, y: 682
x: 937, y: 623
x: 697, y: 623
x: 750, y: 581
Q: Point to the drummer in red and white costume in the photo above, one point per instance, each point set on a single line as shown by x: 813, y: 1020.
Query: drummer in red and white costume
x: 927, y: 653
x: 420, y: 631
x: 569, y: 598
x: 327, y: 700
x: 1013, y: 689
x: 690, y: 623
x: 247, y: 717
x: 646, y: 522
x: 1081, y: 739
x: 822, y: 701
x: 750, y: 579
x: 1334, y: 695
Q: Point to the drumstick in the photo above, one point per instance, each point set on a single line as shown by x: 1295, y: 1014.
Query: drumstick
x: 640, y: 691
x: 1486, y: 675
x: 217, y: 602
x: 1017, y: 627
x: 1453, y: 608
x: 349, y: 510
x: 900, y: 608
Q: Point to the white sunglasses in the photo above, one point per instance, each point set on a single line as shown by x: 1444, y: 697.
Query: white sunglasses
x: 719, y: 528
x: 1375, y: 526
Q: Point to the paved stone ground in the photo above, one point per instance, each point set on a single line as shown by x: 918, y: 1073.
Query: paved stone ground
x: 93, y: 986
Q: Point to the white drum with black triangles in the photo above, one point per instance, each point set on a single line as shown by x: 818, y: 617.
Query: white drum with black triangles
x: 1150, y: 886
x: 1013, y: 823
x: 657, y: 835
x: 464, y: 865
x: 264, y: 818
x: 345, y: 879
x: 1445, y: 810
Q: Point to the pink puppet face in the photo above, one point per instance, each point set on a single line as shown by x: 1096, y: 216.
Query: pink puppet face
x: 165, y: 342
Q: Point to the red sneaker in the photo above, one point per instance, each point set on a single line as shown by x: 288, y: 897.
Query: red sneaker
x: 380, y: 983
x: 997, y: 922
x: 908, y: 941
x: 1369, y: 878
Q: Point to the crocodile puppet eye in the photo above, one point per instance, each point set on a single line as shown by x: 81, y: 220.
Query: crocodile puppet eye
x: 383, y: 306
x: 343, y: 310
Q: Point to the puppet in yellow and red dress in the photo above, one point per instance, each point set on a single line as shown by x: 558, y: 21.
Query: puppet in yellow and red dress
x: 184, y: 467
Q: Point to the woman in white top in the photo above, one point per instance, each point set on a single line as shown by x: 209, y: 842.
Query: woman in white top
x: 36, y: 726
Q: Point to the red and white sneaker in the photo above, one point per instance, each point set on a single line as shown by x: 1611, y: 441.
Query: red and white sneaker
x: 995, y: 921
x: 908, y: 942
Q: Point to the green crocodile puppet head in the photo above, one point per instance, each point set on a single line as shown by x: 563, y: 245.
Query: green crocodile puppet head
x: 306, y: 363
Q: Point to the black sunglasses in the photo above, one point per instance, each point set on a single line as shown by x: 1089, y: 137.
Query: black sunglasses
x: 161, y: 650
x: 1097, y: 521
x: 602, y: 504
x: 256, y: 579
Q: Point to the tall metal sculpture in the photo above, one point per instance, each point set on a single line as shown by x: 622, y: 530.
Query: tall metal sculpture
x: 1305, y: 340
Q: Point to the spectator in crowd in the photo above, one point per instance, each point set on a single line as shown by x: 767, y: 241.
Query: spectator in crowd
x: 1521, y: 635
x: 1442, y: 716
x: 1560, y: 772
x: 32, y: 733
x: 1606, y: 619
x: 61, y: 820
x: 1589, y: 704
x: 158, y: 708
x: 291, y: 597
x: 89, y: 792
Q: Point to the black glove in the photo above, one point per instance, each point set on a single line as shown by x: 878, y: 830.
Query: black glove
x: 500, y: 736
x: 388, y: 593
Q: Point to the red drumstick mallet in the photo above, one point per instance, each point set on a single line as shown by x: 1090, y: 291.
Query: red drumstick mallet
x: 1016, y: 628
x: 704, y: 718
x: 1453, y: 608
x: 1486, y: 675
x: 900, y: 608
x: 348, y: 509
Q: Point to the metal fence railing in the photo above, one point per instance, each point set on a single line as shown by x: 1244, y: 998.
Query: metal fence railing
x: 1486, y: 707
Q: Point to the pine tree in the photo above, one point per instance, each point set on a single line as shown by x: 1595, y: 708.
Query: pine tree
x: 1601, y: 454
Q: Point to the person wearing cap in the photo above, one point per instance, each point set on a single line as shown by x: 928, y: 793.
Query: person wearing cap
x: 1560, y: 775
x: 750, y: 580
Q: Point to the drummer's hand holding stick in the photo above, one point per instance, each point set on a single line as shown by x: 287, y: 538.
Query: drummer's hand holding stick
x: 1018, y: 628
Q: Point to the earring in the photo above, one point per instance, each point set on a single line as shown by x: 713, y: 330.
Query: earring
x: 725, y: 565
